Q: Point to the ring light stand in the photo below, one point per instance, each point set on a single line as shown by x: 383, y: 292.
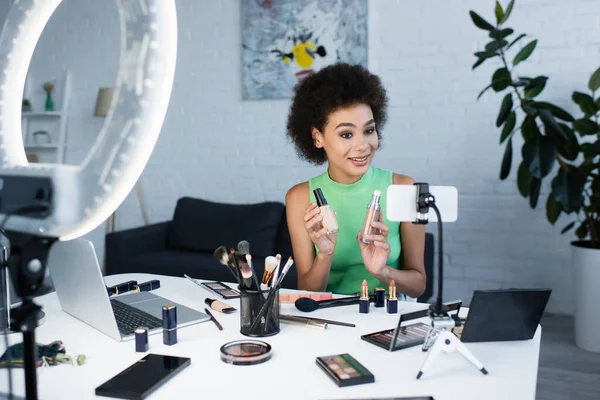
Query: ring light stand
x: 43, y: 203
x: 401, y: 201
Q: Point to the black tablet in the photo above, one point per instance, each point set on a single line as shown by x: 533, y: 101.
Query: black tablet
x: 142, y: 378
x: 504, y: 315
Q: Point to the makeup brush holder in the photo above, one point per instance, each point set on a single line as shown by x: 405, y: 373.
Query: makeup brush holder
x: 251, y: 303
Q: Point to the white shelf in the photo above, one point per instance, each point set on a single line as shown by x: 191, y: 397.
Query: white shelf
x: 41, y: 146
x: 44, y: 114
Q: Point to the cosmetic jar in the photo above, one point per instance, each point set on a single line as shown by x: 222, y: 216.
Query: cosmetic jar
x: 245, y: 352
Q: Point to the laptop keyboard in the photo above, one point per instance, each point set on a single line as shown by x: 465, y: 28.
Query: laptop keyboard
x: 130, y: 318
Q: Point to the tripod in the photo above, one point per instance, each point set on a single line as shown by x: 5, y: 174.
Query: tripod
x: 27, y: 263
x: 439, y: 338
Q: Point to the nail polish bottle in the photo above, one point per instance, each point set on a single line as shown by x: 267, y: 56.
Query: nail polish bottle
x: 169, y: 324
x: 329, y: 220
x: 373, y: 212
x: 364, y: 302
x: 392, y: 300
x: 379, y: 297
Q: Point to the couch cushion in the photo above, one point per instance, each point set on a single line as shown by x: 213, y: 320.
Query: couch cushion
x: 202, y: 225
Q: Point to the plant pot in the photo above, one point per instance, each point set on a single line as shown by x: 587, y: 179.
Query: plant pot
x: 585, y: 262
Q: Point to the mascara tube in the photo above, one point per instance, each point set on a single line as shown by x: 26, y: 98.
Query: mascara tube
x: 373, y: 212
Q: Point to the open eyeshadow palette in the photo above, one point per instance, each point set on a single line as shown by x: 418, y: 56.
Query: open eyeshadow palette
x: 344, y: 370
x: 221, y: 289
x: 291, y: 298
x: 408, y: 335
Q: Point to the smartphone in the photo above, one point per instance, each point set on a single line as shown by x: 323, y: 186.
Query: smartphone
x: 143, y: 378
x: 221, y: 289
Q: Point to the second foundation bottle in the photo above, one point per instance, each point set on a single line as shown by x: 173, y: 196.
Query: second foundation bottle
x: 329, y: 220
x: 373, y: 213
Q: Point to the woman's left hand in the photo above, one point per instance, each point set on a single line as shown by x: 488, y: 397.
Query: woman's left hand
x: 376, y: 253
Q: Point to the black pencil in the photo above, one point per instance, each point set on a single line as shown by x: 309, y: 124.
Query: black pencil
x: 213, y: 319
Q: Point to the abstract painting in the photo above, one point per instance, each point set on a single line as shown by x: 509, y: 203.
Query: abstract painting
x: 284, y: 41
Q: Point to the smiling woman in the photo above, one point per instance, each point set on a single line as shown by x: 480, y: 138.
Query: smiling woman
x: 336, y: 118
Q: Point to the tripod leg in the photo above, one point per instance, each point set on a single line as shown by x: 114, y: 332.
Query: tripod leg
x: 469, y: 356
x: 433, y: 353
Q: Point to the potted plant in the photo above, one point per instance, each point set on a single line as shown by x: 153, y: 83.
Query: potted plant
x: 556, y: 146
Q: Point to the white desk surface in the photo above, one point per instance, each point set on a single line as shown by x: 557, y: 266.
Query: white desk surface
x: 291, y: 373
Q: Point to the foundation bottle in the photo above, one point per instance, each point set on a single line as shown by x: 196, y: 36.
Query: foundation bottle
x: 329, y: 220
x: 373, y: 213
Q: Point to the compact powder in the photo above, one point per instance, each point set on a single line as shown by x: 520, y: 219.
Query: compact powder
x: 245, y: 352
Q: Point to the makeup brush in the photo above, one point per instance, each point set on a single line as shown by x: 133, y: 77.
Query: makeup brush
x: 276, y: 272
x: 254, y: 277
x: 244, y: 247
x: 270, y: 265
x: 285, y: 270
x: 247, y: 277
x: 306, y: 304
x: 222, y: 256
x: 234, y: 264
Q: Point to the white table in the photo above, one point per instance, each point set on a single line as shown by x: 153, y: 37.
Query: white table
x: 291, y: 373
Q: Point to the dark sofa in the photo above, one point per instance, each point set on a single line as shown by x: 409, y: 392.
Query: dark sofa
x: 185, y: 245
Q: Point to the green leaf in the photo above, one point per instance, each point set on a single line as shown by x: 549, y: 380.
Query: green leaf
x: 505, y: 107
x: 585, y: 103
x: 483, y: 91
x: 568, y: 227
x: 507, y: 11
x: 525, y: 52
x: 597, y: 103
x: 567, y: 188
x: 569, y: 148
x: 499, y: 12
x: 478, y: 63
x: 534, y: 191
x: 523, y: 179
x: 529, y: 128
x: 480, y: 22
x: 552, y: 209
x: 555, y: 110
x: 585, y: 126
x: 594, y: 83
x: 508, y: 126
x: 506, y: 160
x: 521, y: 36
x: 495, y: 45
x: 582, y: 230
x: 501, y: 79
x: 539, y: 155
x: 551, y: 124
x: 500, y: 34
x: 486, y: 54
x: 535, y: 87
x: 590, y: 149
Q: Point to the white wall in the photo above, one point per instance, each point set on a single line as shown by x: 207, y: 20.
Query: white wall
x: 216, y: 146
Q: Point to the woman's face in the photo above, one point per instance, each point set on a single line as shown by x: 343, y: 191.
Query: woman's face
x: 350, y: 141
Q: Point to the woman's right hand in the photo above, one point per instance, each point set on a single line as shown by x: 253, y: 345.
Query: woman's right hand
x: 318, y: 234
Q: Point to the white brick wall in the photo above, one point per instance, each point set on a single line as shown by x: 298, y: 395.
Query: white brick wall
x: 216, y: 146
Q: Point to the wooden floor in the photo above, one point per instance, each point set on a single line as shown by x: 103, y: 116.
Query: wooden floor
x: 565, y: 371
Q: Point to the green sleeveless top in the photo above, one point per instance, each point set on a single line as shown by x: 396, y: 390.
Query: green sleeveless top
x: 350, y: 204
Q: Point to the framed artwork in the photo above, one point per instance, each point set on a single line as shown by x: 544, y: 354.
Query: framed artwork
x: 284, y: 41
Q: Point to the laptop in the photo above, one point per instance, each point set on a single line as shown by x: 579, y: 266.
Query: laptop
x: 504, y: 315
x: 81, y: 290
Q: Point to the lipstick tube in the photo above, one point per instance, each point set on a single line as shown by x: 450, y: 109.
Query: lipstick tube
x: 329, y: 220
x: 123, y: 287
x: 364, y: 301
x: 373, y: 213
x: 147, y: 286
x: 379, y: 297
x: 141, y: 340
x: 392, y: 300
x: 169, y: 324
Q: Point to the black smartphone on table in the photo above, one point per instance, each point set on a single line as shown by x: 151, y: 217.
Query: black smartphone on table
x: 143, y: 378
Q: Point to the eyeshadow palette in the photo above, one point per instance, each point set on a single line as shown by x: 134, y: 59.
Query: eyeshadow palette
x: 344, y: 370
x: 245, y: 352
x: 291, y: 298
x: 409, y: 336
x: 221, y: 289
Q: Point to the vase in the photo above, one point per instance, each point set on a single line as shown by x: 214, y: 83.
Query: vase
x: 49, y: 102
x: 586, y: 273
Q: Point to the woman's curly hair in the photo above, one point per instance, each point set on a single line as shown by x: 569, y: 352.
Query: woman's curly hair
x: 330, y: 89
